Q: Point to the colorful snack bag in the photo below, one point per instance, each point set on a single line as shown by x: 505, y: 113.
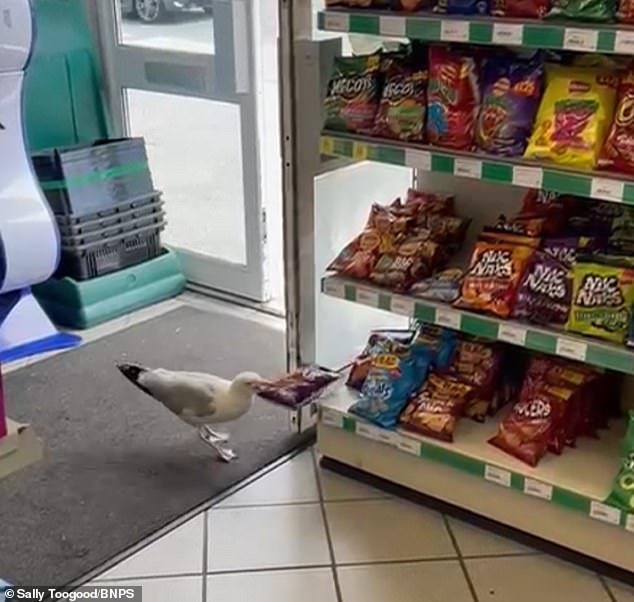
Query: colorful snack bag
x: 354, y: 92
x: 625, y: 11
x: 410, y: 5
x: 443, y: 286
x: 435, y: 411
x: 453, y: 98
x: 622, y: 494
x: 477, y: 364
x: 574, y: 116
x: 545, y: 292
x: 425, y: 203
x: 600, y: 11
x: 441, y: 343
x: 531, y: 9
x: 401, y: 113
x: 528, y: 428
x: 602, y: 300
x: 511, y: 90
x: 299, y: 386
x: 462, y: 7
x: 618, y: 151
x: 565, y: 249
x: 392, y: 379
x: 493, y: 277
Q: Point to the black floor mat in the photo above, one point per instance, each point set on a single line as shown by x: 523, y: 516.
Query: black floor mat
x: 118, y: 466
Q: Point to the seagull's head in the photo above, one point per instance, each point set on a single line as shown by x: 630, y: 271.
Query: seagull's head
x: 247, y: 382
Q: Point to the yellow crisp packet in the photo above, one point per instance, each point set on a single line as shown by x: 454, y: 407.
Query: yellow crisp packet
x: 574, y: 116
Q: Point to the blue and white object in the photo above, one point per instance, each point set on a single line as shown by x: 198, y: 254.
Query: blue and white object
x: 29, y: 239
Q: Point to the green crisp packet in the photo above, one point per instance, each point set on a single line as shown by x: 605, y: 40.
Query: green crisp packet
x: 602, y: 300
x: 622, y: 494
x: 598, y: 11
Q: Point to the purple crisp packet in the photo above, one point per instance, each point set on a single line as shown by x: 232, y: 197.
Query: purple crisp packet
x: 565, y: 248
x: 511, y: 91
x: 545, y: 292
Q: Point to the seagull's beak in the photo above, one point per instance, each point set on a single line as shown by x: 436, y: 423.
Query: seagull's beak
x: 133, y: 373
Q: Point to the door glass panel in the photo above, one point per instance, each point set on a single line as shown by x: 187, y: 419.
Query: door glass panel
x: 167, y: 25
x: 195, y: 152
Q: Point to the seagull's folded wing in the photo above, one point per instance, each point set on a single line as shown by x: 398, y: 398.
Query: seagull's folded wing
x: 183, y: 393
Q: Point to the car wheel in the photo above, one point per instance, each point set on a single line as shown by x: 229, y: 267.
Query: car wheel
x: 149, y: 11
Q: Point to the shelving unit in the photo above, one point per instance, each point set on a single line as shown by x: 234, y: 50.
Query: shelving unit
x: 563, y: 500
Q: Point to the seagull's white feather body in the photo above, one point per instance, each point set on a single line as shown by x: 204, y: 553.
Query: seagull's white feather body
x: 198, y: 398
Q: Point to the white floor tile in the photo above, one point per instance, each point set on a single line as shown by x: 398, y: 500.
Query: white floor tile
x: 386, y: 530
x: 307, y: 585
x: 337, y: 488
x: 531, y: 578
x: 621, y: 592
x: 166, y: 589
x: 292, y: 482
x: 267, y: 537
x: 441, y: 581
x: 473, y: 541
x: 178, y: 552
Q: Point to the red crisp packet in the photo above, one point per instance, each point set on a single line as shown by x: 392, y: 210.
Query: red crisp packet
x: 299, y: 386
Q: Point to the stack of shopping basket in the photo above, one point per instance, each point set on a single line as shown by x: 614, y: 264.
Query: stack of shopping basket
x: 110, y: 217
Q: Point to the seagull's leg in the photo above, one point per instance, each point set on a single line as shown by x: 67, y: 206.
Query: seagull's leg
x: 225, y: 453
x: 215, y: 434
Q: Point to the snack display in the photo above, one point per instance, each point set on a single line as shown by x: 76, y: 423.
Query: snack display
x: 462, y: 7
x: 574, y: 116
x: 511, y: 90
x: 600, y: 11
x: 443, y: 286
x: 436, y: 409
x: 492, y: 280
x: 392, y: 378
x: 545, y: 292
x: 453, y: 98
x: 618, y: 151
x: 622, y: 494
x: 299, y: 386
x: 531, y: 9
x: 603, y: 296
x: 353, y: 95
x: 401, y: 113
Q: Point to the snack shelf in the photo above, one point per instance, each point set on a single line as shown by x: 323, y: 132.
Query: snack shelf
x: 606, y: 186
x: 553, y: 35
x: 584, y: 349
x: 580, y: 479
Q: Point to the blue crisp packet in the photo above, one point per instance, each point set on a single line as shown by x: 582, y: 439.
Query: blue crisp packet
x: 462, y: 7
x: 392, y: 379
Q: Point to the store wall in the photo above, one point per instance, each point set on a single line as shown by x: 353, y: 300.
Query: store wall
x: 63, y: 103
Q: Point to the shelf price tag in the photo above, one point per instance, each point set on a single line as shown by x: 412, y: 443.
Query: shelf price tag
x: 359, y: 151
x: 326, y: 146
x: 388, y: 437
x: 330, y: 418
x: 392, y: 26
x: 403, y: 306
x: 496, y: 475
x: 368, y: 431
x: 580, y: 39
x: 454, y: 31
x: 334, y: 288
x: 510, y: 333
x: 538, y: 489
x: 367, y: 297
x: 448, y: 318
x: 574, y: 350
x: 629, y: 523
x: 336, y: 22
x: 418, y: 159
x: 467, y: 168
x: 408, y: 445
x: 530, y: 177
x: 508, y: 34
x: 624, y: 42
x: 607, y: 514
x: 610, y: 190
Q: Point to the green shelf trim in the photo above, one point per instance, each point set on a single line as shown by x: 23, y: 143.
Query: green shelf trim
x: 464, y: 463
x: 597, y: 353
x: 498, y: 171
x: 479, y: 30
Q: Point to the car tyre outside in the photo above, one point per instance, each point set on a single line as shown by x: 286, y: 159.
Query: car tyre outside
x: 149, y: 11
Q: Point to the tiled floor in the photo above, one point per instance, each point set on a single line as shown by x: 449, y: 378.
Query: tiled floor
x: 303, y: 534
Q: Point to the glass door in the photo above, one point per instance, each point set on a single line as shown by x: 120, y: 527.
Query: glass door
x: 198, y: 80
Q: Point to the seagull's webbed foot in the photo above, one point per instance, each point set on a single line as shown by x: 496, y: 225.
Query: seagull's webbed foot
x: 224, y: 453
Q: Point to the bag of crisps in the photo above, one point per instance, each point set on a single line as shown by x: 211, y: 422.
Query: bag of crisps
x: 622, y: 494
x: 353, y: 95
x: 530, y: 9
x: 602, y: 300
x: 453, y: 98
x: 625, y: 11
x: 598, y: 11
x: 574, y: 116
x: 618, y: 151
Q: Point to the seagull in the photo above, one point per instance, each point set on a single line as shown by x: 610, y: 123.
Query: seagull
x: 198, y: 399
